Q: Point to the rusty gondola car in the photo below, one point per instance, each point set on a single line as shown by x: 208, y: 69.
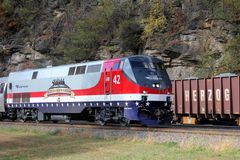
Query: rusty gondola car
x: 212, y: 99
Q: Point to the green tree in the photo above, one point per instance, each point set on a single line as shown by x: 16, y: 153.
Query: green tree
x: 207, y: 67
x: 130, y: 35
x: 84, y: 41
x: 98, y: 27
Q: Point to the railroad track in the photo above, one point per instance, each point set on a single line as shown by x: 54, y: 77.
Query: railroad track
x: 232, y: 131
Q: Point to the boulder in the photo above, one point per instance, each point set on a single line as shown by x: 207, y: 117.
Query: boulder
x: 43, y: 45
x: 181, y: 72
x: 32, y: 54
x: 17, y: 58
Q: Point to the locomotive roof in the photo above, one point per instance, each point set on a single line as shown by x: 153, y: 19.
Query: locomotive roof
x: 56, y: 71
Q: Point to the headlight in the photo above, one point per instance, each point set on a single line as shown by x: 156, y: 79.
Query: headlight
x: 157, y: 85
x: 153, y: 85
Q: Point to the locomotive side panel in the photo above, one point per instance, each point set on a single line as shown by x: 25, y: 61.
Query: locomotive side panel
x: 53, y: 88
x: 2, y: 96
x: 3, y: 85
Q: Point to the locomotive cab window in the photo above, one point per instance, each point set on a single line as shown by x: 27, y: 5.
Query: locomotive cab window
x: 10, y: 86
x: 34, y: 75
x: 94, y: 68
x: 115, y: 66
x: 71, y: 71
x: 80, y: 70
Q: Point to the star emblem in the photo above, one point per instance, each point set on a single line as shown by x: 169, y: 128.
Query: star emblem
x: 126, y: 103
x: 137, y: 103
x: 147, y: 104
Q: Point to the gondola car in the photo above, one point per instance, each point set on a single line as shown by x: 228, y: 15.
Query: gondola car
x: 130, y: 89
x: 207, y: 100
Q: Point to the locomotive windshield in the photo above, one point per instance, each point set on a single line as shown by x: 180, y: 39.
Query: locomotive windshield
x: 147, y: 71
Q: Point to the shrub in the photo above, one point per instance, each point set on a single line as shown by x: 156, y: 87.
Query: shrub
x: 231, y: 61
x: 84, y: 41
x: 8, y: 5
x: 130, y: 35
x: 213, y: 64
x: 207, y: 66
x: 222, y: 9
x: 99, y: 26
x: 156, y: 20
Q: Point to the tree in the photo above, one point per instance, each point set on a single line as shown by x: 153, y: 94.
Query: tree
x: 156, y: 20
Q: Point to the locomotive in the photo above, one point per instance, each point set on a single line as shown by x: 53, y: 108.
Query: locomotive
x: 123, y: 90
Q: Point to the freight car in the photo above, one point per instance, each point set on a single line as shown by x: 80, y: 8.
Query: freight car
x: 206, y: 99
x: 134, y: 88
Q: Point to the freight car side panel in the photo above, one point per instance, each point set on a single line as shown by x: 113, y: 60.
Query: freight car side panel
x: 202, y: 92
x: 226, y: 89
x: 235, y: 95
x: 187, y: 96
x: 194, y: 98
x: 179, y: 97
x: 210, y: 96
x: 217, y: 96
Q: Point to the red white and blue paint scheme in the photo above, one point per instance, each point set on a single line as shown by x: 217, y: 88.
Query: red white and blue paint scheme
x: 135, y: 88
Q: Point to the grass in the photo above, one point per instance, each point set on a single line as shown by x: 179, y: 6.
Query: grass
x: 27, y: 144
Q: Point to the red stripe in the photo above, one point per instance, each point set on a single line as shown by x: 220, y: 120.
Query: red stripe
x: 125, y: 87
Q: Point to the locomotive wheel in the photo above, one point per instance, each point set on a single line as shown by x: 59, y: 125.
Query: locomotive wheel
x: 23, y: 120
x: 124, y: 122
x: 101, y: 122
x: 1, y: 116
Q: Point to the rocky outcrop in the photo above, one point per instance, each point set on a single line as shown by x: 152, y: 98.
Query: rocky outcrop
x: 17, y: 58
x: 198, y: 34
